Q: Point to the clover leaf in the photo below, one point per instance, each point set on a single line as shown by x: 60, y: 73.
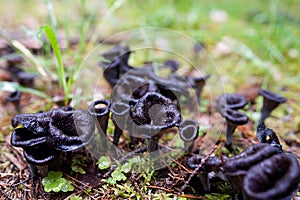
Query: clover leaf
x: 56, y: 183
x: 103, y: 163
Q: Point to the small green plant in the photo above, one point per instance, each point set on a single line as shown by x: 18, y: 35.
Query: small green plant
x: 76, y: 164
x: 217, y: 196
x: 103, y: 163
x: 75, y: 197
x: 56, y: 183
x: 119, y: 173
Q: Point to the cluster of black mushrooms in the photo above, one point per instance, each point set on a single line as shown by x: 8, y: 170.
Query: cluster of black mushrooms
x: 146, y: 105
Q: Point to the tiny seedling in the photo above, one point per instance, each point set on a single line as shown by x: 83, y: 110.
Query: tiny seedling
x: 76, y: 164
x: 119, y: 173
x: 103, y: 163
x: 56, y: 183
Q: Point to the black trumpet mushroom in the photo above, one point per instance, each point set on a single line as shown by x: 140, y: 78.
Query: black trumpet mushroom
x: 172, y: 64
x: 197, y: 84
x: 212, y: 164
x: 233, y: 119
x: 100, y: 109
x: 188, y: 132
x: 44, y: 135
x: 270, y: 101
x: 152, y: 115
x: 263, y: 173
x: 15, y: 98
x: 277, y: 177
x: 22, y: 77
x: 231, y: 101
x: 117, y: 65
x: 267, y: 135
x: 236, y: 168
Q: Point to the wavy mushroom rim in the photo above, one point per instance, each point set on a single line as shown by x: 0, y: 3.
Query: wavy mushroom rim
x: 21, y: 137
x: 269, y: 95
x: 99, y: 112
x: 239, y: 165
x: 231, y: 101
x: 282, y: 187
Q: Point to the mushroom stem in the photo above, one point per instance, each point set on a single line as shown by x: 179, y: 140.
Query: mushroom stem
x: 230, y: 128
x: 204, y: 180
x: 197, y: 84
x: 117, y: 134
x: 233, y: 119
x: 153, y: 146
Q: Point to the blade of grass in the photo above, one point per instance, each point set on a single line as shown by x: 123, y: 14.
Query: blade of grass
x: 51, y: 14
x: 60, y: 67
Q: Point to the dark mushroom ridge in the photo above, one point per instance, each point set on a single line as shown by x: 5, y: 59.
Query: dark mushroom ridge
x: 151, y: 116
x: 231, y: 101
x: 270, y: 102
x: 240, y: 164
x: 43, y: 135
x: 277, y: 177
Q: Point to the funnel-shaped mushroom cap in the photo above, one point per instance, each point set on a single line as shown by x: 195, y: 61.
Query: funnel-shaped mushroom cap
x: 240, y: 164
x: 189, y: 130
x: 99, y: 111
x: 116, y: 52
x: 270, y: 102
x: 231, y: 101
x: 118, y: 65
x: 64, y: 129
x: 198, y: 82
x: 153, y: 113
x: 234, y: 117
x: 266, y: 135
x: 70, y: 130
x: 14, y: 96
x: 271, y: 96
x: 22, y: 77
x: 172, y: 64
x: 277, y: 177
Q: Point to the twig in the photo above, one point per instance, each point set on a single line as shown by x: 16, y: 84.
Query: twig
x: 74, y: 179
x: 160, y: 188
